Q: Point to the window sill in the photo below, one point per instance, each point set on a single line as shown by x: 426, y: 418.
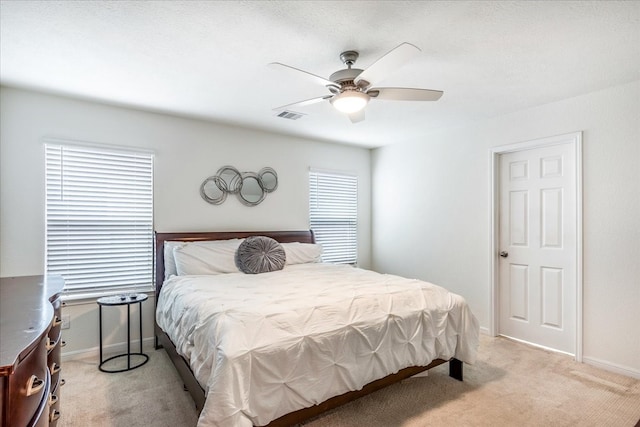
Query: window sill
x: 91, y: 297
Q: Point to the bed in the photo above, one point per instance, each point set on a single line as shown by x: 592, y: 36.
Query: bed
x: 279, y: 367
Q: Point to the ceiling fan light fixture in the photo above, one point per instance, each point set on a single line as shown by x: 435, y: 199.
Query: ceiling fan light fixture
x: 350, y: 101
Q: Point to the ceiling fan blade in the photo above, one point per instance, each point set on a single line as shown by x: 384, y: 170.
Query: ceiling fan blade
x: 304, y: 103
x: 357, y: 117
x: 404, y: 94
x: 393, y: 59
x: 313, y: 77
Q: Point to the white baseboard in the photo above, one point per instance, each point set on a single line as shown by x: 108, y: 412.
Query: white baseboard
x: 484, y: 331
x: 543, y: 347
x: 612, y: 367
x: 107, y: 350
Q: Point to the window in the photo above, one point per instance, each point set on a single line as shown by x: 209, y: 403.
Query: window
x: 333, y: 213
x: 99, y: 219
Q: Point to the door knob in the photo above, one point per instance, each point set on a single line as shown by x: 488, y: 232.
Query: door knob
x: 504, y: 254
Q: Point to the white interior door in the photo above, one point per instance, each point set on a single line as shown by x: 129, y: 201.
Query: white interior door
x: 537, y: 245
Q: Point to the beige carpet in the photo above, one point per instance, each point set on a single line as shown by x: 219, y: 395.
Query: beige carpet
x: 511, y: 385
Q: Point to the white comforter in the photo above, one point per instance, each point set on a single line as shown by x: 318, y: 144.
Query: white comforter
x: 268, y: 344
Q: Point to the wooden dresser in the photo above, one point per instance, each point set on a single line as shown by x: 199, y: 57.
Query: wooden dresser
x: 30, y: 331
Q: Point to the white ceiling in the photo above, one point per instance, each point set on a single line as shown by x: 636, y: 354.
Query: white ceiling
x: 208, y: 59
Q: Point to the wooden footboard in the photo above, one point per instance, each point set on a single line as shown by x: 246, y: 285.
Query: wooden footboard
x: 307, y: 413
x: 197, y: 393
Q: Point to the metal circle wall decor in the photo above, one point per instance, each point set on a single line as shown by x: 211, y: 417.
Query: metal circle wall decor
x: 269, y: 179
x: 214, y: 190
x: 250, y: 187
x: 231, y: 178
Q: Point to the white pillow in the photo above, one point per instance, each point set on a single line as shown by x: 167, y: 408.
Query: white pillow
x: 207, y: 257
x: 302, y: 253
x: 169, y: 260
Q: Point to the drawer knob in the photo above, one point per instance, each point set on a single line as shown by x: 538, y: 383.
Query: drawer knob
x: 53, y: 399
x: 63, y: 343
x: 62, y: 382
x: 55, y: 368
x: 57, y: 321
x: 34, y: 385
x: 50, y: 344
x: 55, y: 414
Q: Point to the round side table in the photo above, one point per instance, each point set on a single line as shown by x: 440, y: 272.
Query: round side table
x: 128, y: 300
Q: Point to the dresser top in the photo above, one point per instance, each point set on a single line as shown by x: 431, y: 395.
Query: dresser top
x: 25, y: 315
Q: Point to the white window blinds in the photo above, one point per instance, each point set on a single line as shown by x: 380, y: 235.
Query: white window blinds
x: 99, y: 219
x: 333, y: 215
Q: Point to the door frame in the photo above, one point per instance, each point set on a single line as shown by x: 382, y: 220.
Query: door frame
x: 575, y: 139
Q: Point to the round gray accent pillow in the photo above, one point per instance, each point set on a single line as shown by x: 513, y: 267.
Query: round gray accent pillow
x: 260, y: 254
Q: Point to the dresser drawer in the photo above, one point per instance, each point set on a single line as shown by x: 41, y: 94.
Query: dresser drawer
x: 29, y: 386
x: 56, y: 327
x: 54, y: 409
x: 53, y: 357
x: 55, y: 333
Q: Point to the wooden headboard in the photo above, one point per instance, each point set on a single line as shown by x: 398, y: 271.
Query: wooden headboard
x: 305, y: 236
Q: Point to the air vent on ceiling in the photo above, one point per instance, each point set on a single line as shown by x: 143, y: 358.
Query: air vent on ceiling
x: 291, y: 115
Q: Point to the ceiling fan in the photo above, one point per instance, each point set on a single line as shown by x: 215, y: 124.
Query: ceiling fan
x: 351, y: 88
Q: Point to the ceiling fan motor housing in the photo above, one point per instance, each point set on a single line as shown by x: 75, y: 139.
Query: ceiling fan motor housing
x: 343, y: 76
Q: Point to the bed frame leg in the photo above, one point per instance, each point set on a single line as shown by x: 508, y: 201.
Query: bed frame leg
x: 455, y: 369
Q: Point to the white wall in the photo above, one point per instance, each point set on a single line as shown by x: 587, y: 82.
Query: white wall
x: 431, y: 207
x: 186, y: 152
